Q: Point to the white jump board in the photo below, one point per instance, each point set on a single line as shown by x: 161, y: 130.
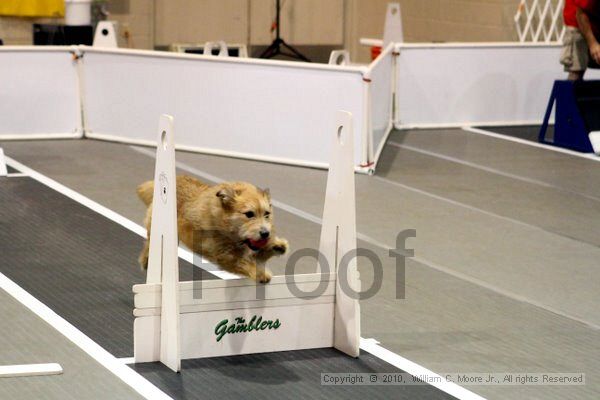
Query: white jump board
x: 207, y: 295
x: 200, y: 331
x: 237, y: 317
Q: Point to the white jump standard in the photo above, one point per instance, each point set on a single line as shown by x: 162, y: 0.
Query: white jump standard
x: 182, y: 320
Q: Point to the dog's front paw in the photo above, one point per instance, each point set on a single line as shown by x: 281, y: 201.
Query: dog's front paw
x: 263, y: 275
x: 280, y: 246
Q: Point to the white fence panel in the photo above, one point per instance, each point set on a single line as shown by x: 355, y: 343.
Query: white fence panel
x: 467, y: 84
x: 39, y: 93
x: 381, y: 74
x: 265, y: 110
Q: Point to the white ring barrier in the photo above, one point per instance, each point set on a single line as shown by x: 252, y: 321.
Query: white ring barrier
x: 381, y: 77
x: 268, y: 110
x: 39, y: 95
x: 174, y: 322
x: 462, y: 84
x: 264, y: 110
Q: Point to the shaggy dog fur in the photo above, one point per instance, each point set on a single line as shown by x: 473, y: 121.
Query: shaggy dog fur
x: 229, y: 224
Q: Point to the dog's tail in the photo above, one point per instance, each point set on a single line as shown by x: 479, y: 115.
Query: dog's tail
x: 145, y: 192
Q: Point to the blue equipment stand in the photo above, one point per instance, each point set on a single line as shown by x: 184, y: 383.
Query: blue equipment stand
x: 577, y: 114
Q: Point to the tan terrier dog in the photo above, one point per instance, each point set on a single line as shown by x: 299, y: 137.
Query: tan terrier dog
x: 229, y: 224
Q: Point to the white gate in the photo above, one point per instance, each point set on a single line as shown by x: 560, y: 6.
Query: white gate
x: 540, y: 21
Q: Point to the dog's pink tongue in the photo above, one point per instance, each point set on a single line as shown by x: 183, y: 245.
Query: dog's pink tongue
x: 258, y: 243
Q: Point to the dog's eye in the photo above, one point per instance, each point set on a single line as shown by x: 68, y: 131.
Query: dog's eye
x: 249, y: 214
x: 267, y: 214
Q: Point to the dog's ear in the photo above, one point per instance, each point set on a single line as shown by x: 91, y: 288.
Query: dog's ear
x: 267, y: 192
x: 227, y: 195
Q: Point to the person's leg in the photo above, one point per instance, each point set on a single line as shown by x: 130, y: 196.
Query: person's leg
x: 576, y: 75
x: 574, y: 55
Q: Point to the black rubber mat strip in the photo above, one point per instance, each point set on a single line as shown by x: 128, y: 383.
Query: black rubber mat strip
x: 75, y: 261
x: 282, y: 375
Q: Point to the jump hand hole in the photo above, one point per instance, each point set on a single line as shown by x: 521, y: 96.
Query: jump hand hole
x: 163, y: 139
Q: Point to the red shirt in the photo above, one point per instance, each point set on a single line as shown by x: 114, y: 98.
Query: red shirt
x: 590, y: 7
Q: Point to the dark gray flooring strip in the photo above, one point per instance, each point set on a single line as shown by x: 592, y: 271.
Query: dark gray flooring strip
x: 489, y: 169
x: 283, y: 375
x: 557, y: 229
x: 82, y: 266
x: 549, y: 207
x: 76, y: 262
x: 542, y: 163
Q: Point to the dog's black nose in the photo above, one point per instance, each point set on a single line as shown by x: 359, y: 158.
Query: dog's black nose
x: 264, y: 233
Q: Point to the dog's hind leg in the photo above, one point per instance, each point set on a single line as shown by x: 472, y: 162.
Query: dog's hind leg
x: 143, y: 258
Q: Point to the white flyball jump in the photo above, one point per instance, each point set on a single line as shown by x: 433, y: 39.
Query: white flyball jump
x: 195, y: 319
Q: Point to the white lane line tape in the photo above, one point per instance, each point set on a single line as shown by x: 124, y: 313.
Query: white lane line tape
x: 589, y: 156
x: 12, y: 371
x: 373, y: 347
